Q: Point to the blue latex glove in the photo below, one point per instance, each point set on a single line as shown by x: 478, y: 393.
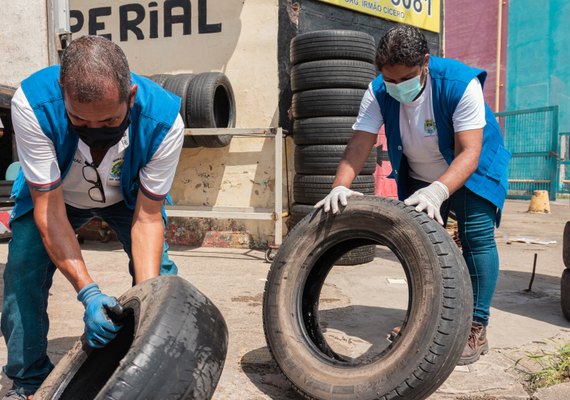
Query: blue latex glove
x: 99, y: 329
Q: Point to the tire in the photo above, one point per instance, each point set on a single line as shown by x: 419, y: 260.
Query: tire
x: 6, y: 94
x: 160, y: 79
x: 328, y: 74
x: 324, y: 130
x: 6, y: 188
x: 324, y: 160
x: 332, y: 44
x: 566, y: 245
x: 310, y: 189
x: 172, y: 346
x: 565, y: 293
x: 437, y: 322
x: 327, y: 103
x: 298, y: 212
x: 211, y: 104
x: 178, y: 84
x: 360, y: 255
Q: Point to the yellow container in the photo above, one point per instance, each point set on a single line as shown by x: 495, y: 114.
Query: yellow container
x: 539, y: 202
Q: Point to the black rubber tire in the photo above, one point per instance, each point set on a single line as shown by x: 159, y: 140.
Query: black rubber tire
x: 328, y: 74
x: 179, y: 84
x: 566, y: 245
x: 6, y: 188
x: 565, y: 293
x: 324, y: 160
x: 332, y: 44
x: 172, y: 345
x: 160, y: 79
x: 298, y: 212
x: 324, y: 130
x: 360, y: 255
x: 327, y: 103
x: 435, y: 328
x: 310, y: 189
x: 211, y: 104
x: 6, y: 94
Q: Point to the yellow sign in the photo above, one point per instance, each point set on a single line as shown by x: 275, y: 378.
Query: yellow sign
x: 421, y: 13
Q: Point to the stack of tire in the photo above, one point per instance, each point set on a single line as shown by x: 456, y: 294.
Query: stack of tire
x: 331, y: 70
x: 207, y: 102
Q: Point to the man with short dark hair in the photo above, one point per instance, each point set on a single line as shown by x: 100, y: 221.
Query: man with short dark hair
x: 93, y: 140
x: 446, y: 150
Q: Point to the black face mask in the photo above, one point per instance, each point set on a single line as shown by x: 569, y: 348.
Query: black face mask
x: 102, y: 138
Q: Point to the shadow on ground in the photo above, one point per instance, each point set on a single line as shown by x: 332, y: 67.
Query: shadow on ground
x: 541, y: 303
x: 264, y: 373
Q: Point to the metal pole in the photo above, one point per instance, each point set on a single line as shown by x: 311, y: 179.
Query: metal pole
x: 59, y: 31
x: 279, y: 187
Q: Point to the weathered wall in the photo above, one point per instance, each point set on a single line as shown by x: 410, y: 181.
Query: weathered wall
x: 538, y: 54
x: 470, y: 35
x: 23, y: 39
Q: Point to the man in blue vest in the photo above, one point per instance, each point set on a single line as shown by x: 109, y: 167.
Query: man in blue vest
x: 93, y: 140
x: 446, y: 150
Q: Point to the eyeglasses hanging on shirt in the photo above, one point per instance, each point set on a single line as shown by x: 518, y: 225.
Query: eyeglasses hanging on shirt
x: 91, y: 175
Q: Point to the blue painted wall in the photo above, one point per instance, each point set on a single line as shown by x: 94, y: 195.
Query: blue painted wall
x: 538, y: 54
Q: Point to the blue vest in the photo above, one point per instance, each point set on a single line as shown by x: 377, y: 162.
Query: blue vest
x: 152, y: 116
x: 449, y: 79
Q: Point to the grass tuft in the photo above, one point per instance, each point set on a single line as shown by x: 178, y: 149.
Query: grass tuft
x: 555, y: 368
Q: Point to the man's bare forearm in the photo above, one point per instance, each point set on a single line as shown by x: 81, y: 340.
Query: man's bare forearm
x: 147, y: 243
x: 355, y: 155
x: 468, y: 146
x: 147, y: 235
x: 59, y: 237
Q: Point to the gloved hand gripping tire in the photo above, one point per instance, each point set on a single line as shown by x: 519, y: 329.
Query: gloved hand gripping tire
x: 430, y: 199
x: 339, y: 193
x: 99, y: 328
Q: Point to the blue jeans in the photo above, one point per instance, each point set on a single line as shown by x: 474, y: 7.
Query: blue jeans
x: 27, y: 279
x: 476, y: 219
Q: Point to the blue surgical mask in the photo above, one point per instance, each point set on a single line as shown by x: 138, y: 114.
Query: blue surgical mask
x: 405, y: 92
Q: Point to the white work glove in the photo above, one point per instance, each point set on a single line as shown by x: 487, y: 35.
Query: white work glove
x: 341, y: 193
x: 430, y: 199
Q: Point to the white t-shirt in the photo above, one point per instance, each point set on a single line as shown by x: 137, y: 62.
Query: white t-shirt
x: 1, y: 124
x: 418, y: 130
x: 39, y: 163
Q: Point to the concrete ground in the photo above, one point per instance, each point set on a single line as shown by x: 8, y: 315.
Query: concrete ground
x: 360, y: 304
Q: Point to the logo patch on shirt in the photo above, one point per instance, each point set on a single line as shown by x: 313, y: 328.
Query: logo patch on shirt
x: 115, y: 173
x: 429, y: 128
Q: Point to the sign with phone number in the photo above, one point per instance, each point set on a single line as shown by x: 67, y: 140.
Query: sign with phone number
x: 424, y: 14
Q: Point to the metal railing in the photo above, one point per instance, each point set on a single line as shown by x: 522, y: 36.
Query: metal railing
x: 532, y: 137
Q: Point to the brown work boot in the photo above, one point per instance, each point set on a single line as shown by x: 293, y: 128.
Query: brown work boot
x: 476, y: 346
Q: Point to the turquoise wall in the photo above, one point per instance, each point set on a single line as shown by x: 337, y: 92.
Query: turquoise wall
x: 538, y: 54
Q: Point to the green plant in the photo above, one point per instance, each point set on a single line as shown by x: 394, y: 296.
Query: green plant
x: 555, y: 368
